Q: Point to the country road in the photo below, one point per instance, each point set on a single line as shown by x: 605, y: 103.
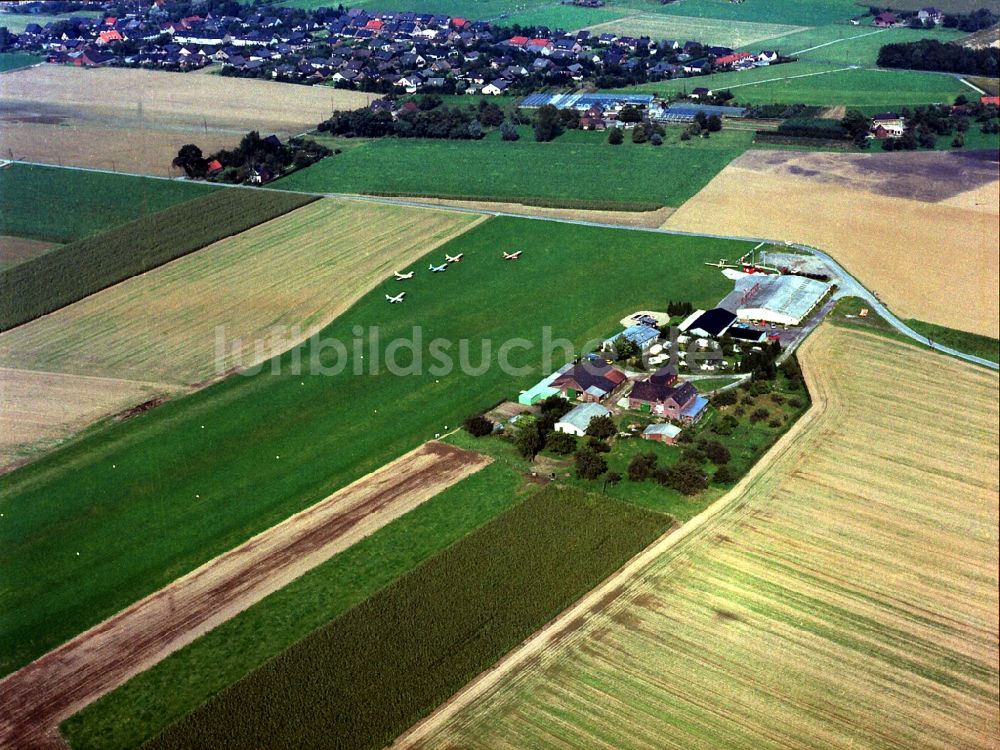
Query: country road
x: 850, y: 286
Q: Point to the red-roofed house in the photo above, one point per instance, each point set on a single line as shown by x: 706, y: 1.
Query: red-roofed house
x: 885, y: 20
x: 111, y: 35
x: 374, y: 25
x: 517, y: 41
x: 214, y: 166
x: 727, y: 61
x: 110, y: 21
x: 459, y: 23
x: 988, y: 100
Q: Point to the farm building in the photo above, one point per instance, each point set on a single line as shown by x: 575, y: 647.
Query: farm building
x: 785, y: 300
x: 542, y: 389
x: 642, y: 336
x: 576, y: 420
x: 713, y: 323
x: 749, y: 335
x: 589, y: 381
x: 659, y: 395
x: 689, y: 321
x: 662, y: 433
x: 583, y: 102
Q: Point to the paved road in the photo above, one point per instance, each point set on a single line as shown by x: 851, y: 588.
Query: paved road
x: 849, y: 286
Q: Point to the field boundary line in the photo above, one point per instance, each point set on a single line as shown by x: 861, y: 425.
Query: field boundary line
x: 36, y: 698
x: 611, y: 588
x: 102, y: 378
x: 837, y: 41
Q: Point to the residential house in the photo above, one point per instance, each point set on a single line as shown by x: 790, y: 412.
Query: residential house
x: 885, y: 20
x: 641, y: 335
x: 887, y: 125
x: 662, y: 433
x: 589, y: 381
x: 496, y: 87
x: 677, y: 402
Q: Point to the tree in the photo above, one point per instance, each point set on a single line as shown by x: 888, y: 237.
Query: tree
x: 508, y: 131
x: 717, y: 453
x: 639, y: 134
x: 625, y: 348
x: 686, y: 478
x: 190, y: 159
x: 602, y: 428
x: 613, y: 477
x: 714, y: 124
x: 547, y: 123
x: 555, y: 405
x: 475, y: 130
x: 615, y: 137
x: 723, y: 475
x: 561, y: 442
x: 590, y: 465
x: 656, y: 139
x: 478, y: 426
x: 641, y: 466
x: 490, y: 115
x: 686, y: 136
x: 529, y: 441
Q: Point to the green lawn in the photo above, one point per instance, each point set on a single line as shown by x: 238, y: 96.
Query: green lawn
x: 579, y: 169
x: 367, y: 676
x: 15, y: 60
x: 17, y: 21
x: 849, y: 45
x: 62, y: 205
x: 125, y: 497
x: 794, y: 12
x: 187, y: 678
x: 569, y: 17
x: 969, y: 343
x: 823, y: 84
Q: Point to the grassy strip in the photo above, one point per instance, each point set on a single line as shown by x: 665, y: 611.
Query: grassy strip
x: 969, y: 343
x: 63, y: 205
x: 147, y: 500
x: 188, y: 678
x: 587, y: 205
x: 367, y: 676
x: 79, y: 269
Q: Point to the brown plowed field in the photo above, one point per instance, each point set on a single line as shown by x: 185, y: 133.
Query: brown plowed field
x: 35, y: 699
x: 920, y: 229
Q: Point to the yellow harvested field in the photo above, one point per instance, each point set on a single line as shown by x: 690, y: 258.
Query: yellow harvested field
x: 922, y: 230
x: 125, y: 97
x: 292, y: 275
x: 844, y: 597
x: 38, y: 410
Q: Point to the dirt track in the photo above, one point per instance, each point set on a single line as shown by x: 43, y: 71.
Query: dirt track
x: 36, y: 698
x: 594, y: 602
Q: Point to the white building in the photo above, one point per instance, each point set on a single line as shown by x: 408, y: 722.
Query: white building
x: 576, y: 421
x: 785, y: 300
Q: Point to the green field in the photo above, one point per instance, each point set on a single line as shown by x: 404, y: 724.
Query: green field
x: 57, y: 279
x: 795, y: 12
x: 850, y: 45
x: 17, y: 21
x: 970, y: 343
x: 578, y: 170
x: 707, y: 30
x: 569, y: 17
x: 823, y: 84
x: 188, y: 678
x: 370, y: 674
x: 62, y: 205
x: 15, y: 60
x: 126, y: 494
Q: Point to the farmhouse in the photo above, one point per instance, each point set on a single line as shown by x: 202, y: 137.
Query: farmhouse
x: 885, y: 20
x: 887, y: 125
x: 662, y: 433
x: 576, y: 421
x: 784, y: 300
x: 660, y: 395
x: 589, y: 381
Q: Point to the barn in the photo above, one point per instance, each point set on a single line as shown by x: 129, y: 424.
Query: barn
x: 784, y: 300
x: 577, y: 420
x: 662, y: 433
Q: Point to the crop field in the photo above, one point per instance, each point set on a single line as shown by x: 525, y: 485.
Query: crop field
x: 708, y: 30
x: 569, y: 17
x: 796, y: 12
x: 822, y: 84
x: 186, y: 679
x: 40, y: 409
x: 562, y: 173
x: 38, y: 696
x: 16, y: 60
x: 406, y: 649
x: 846, y: 597
x: 297, y: 272
x: 943, y: 206
x: 81, y: 268
x: 63, y: 205
x: 852, y: 45
x: 14, y: 250
x: 149, y: 528
x: 16, y: 22
x: 950, y: 6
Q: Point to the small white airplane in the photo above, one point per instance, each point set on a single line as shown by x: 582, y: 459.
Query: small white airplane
x: 397, y: 299
x: 512, y: 256
x: 402, y: 276
x: 453, y: 258
x: 437, y: 269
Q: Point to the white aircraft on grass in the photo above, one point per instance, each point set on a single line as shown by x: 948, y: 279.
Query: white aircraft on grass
x: 512, y: 256
x: 453, y: 258
x: 397, y: 299
x: 437, y: 269
x: 402, y: 276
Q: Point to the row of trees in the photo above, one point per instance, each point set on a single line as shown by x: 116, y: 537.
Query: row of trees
x: 253, y: 152
x: 453, y: 123
x: 930, y: 54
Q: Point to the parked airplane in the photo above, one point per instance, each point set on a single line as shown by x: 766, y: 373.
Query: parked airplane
x: 397, y: 299
x: 453, y: 258
x: 512, y: 256
x: 403, y: 276
x: 437, y: 269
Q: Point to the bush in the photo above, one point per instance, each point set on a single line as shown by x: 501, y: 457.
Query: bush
x: 478, y: 426
x: 642, y: 466
x: 717, y: 453
x: 724, y: 475
x: 777, y: 398
x: 776, y: 422
x: 561, y: 442
x: 795, y: 402
x: 590, y: 465
x: 726, y: 398
x: 657, y: 140
x: 613, y: 477
x: 598, y: 446
x: 602, y: 427
x: 759, y: 415
x: 725, y: 426
x: 508, y: 131
x: 686, y: 478
x: 615, y: 137
x: 529, y: 441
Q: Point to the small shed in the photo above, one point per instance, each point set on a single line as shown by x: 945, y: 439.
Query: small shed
x: 576, y: 421
x: 662, y: 433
